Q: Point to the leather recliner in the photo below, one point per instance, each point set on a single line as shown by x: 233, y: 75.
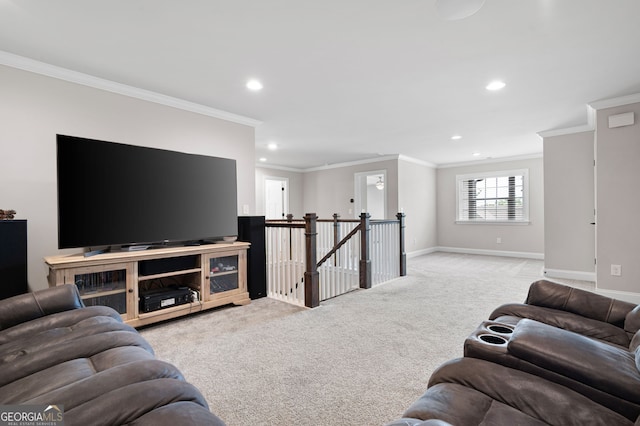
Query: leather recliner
x: 470, y: 392
x: 577, y: 310
x: 564, y: 357
x: 605, y: 373
x: 55, y: 351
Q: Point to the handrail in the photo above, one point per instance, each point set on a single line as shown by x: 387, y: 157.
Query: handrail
x: 285, y: 224
x: 337, y: 246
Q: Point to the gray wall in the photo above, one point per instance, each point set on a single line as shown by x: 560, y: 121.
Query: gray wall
x: 34, y: 108
x: 411, y: 186
x: 569, y: 237
x: 617, y: 201
x: 524, y: 240
x: 417, y: 198
x: 329, y: 190
x: 295, y: 180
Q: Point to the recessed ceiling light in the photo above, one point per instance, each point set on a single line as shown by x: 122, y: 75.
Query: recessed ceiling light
x: 262, y: 159
x: 453, y: 10
x: 254, y: 85
x: 476, y: 154
x: 456, y: 137
x: 272, y: 146
x: 496, y: 85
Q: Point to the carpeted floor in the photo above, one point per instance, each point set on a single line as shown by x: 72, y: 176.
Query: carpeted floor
x: 359, y: 359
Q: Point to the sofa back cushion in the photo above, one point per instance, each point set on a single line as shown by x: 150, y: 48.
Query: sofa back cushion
x: 556, y: 296
x: 26, y: 307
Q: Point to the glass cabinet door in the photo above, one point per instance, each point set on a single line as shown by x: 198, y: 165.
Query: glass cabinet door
x: 223, y: 274
x: 102, y: 287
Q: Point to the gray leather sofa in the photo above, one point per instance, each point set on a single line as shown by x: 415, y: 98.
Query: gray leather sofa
x: 576, y: 310
x: 53, y: 350
x: 469, y: 391
x: 564, y: 357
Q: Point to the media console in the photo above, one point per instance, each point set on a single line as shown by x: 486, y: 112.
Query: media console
x: 181, y: 280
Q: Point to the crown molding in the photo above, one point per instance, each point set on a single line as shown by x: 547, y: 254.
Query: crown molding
x: 348, y: 164
x: 31, y: 65
x: 615, y: 102
x: 416, y: 161
x: 400, y: 157
x: 352, y: 163
x: 567, y: 131
x: 276, y: 167
x: 492, y: 160
x: 589, y: 127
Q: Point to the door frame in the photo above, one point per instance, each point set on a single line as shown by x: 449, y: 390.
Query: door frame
x: 360, y: 188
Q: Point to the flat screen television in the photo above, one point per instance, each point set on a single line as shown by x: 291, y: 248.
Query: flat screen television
x: 113, y: 194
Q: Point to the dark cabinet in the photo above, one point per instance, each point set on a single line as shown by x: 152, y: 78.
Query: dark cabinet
x: 251, y: 230
x: 13, y: 258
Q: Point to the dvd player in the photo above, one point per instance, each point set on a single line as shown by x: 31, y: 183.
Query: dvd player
x: 153, y: 300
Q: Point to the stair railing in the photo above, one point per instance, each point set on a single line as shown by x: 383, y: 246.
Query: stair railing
x: 371, y: 252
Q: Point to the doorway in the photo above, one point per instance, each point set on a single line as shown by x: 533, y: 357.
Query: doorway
x: 276, y: 198
x: 371, y: 193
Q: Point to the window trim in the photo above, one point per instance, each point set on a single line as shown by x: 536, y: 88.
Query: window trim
x: 501, y: 173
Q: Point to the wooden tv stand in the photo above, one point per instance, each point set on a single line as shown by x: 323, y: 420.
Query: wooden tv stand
x: 214, y: 274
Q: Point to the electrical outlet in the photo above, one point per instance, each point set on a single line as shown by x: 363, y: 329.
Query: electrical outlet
x: 616, y: 270
x: 499, y: 240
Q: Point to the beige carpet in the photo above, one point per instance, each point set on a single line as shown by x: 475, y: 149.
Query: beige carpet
x: 359, y: 359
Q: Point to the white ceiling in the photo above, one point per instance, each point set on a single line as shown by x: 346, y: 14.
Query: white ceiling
x: 347, y: 80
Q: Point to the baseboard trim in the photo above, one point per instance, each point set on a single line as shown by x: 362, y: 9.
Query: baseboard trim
x: 627, y: 296
x: 570, y: 275
x: 421, y: 252
x: 499, y: 253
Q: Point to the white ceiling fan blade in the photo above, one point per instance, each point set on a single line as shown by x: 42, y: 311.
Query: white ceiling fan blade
x: 452, y: 10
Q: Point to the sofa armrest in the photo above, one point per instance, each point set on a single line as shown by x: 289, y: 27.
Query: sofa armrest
x: 581, y: 302
x: 26, y: 307
x: 632, y: 321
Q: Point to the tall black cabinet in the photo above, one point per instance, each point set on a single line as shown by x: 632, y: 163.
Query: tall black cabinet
x: 13, y: 258
x: 251, y: 230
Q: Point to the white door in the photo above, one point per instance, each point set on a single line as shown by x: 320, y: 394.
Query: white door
x: 276, y: 196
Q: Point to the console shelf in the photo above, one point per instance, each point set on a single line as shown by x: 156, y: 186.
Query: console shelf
x: 216, y: 273
x: 167, y: 274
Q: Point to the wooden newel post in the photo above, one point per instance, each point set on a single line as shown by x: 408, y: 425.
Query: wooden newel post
x: 365, y: 260
x: 403, y: 254
x: 311, y: 277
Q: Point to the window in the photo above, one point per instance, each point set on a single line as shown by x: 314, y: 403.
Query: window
x: 496, y: 197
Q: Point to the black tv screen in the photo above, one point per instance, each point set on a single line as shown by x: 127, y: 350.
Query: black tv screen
x: 112, y: 194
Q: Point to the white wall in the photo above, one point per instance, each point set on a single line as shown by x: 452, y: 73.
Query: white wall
x: 569, y: 237
x: 34, y: 108
x: 617, y: 201
x: 517, y: 240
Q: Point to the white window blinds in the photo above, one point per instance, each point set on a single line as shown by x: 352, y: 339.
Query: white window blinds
x: 493, y: 197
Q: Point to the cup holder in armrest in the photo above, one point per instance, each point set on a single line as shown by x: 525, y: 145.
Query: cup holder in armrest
x: 502, y: 329
x: 491, y: 339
